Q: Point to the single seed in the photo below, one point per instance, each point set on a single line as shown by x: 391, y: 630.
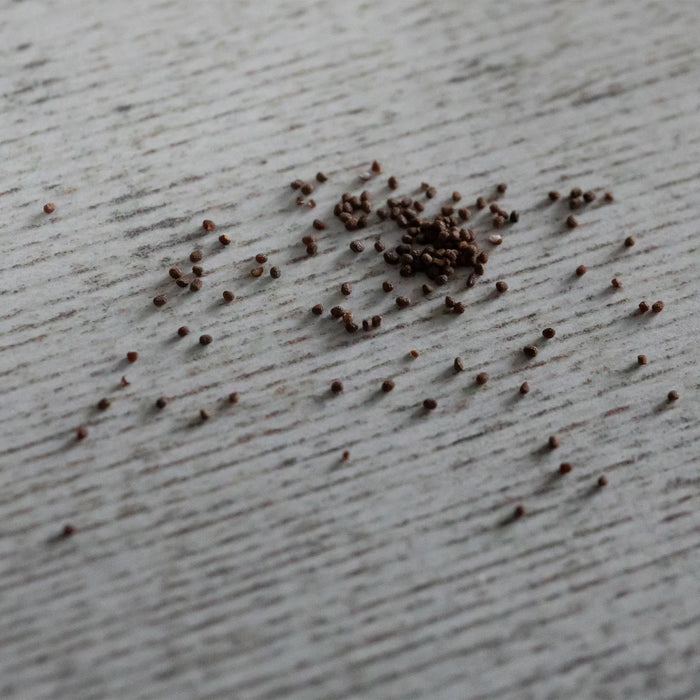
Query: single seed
x: 307, y: 240
x: 321, y: 177
x: 458, y: 364
x: 299, y: 201
x: 81, y: 432
x: 524, y: 388
x: 530, y: 350
x: 565, y: 467
x: 571, y: 221
x: 182, y: 331
x: 576, y: 192
x: 387, y: 286
x: 483, y: 257
x: 414, y: 354
x: 366, y: 324
x: 575, y: 204
x: 376, y: 167
x: 376, y: 321
x: 402, y: 302
x: 514, y: 217
x: 261, y: 258
x: 498, y: 221
x: 553, y: 195
x: 337, y: 312
x: 195, y: 285
x: 549, y: 333
x: 132, y: 356
x: 351, y: 327
x: 257, y: 271
x: 430, y: 192
x: 588, y: 196
x: 275, y: 272
x: 581, y: 271
x: 102, y: 404
x: 672, y: 396
x: 161, y: 402
x: 204, y: 414
x: 311, y: 249
x: 501, y: 187
x: 125, y: 381
x: 379, y: 246
x: 160, y: 300
x: 518, y: 512
x: 482, y: 378
x: 463, y: 213
x: 495, y: 239
x: 608, y: 197
x: 459, y: 308
x: 629, y: 242
x: 641, y: 359
x: 643, y: 307
x: 502, y: 286
x: 318, y: 225
x: 553, y: 442
x: 387, y: 385
x: 296, y: 184
x: 616, y: 283
x: 602, y: 481
x: 197, y: 270
x: 224, y: 239
x: 175, y: 272
x: 365, y: 176
x: 49, y: 208
x: 233, y: 397
x: 311, y: 204
x: 181, y: 282
x: 195, y: 256
x: 228, y: 297
x: 337, y: 386
x: 357, y: 246
x: 449, y: 302
x: 67, y: 531
x: 317, y: 310
x: 208, y: 225
x: 345, y: 456
x: 345, y: 289
x: 427, y: 289
x: 430, y: 404
x: 481, y: 202
x: 392, y: 182
x: 657, y: 307
x: 205, y: 339
x: 307, y: 188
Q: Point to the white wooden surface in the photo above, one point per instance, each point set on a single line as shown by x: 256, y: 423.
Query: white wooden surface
x: 241, y: 558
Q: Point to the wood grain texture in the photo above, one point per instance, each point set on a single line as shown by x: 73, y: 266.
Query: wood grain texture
x: 241, y: 558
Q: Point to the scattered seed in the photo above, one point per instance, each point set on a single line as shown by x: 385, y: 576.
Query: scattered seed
x: 549, y: 333
x: 228, y: 296
x: 160, y: 300
x: 307, y: 188
x: 463, y: 213
x: 345, y: 456
x: 181, y: 282
x: 257, y: 271
x: 629, y: 242
x: 553, y: 195
x: 643, y: 307
x: 49, y: 208
x: 379, y: 246
x: 482, y: 378
x: 299, y: 201
x: 175, y: 272
x: 553, y: 442
x: 608, y: 197
x: 311, y: 204
x: 197, y: 270
x: 204, y: 414
x: 345, y: 289
x: 102, y: 404
x: 161, y: 402
x: 501, y: 187
x: 337, y: 386
x: 195, y: 285
x: 387, y: 286
x: 657, y: 307
x: 261, y: 258
x: 581, y: 271
x: 125, y: 381
x: 224, y: 239
x: 449, y: 302
x: 459, y: 308
x: 321, y: 177
x: 357, y: 246
x: 337, y: 312
x: 351, y: 326
x: 427, y: 289
x: 575, y: 192
x: 317, y: 310
x: 575, y: 204
x: 403, y: 302
x: 530, y: 350
x: 366, y: 324
x: 430, y: 404
x: 296, y: 184
x: 458, y: 364
x: 602, y: 481
x: 387, y: 385
x: 208, y: 225
x: 430, y: 192
x: 524, y: 388
x: 495, y: 239
x: 588, y: 196
x: 565, y: 467
x: 132, y: 356
x: 195, y: 256
x: 318, y: 225
x: 392, y: 182
x: 233, y: 397
x: 81, y: 432
x: 514, y: 217
x: 311, y: 249
x: 641, y: 359
x: 275, y: 272
x: 481, y: 202
x: 502, y: 286
x: 571, y: 221
x: 376, y: 321
x: 205, y: 339
x: 673, y: 396
x: 518, y: 512
x: 616, y: 283
x: 182, y: 331
x: 67, y: 531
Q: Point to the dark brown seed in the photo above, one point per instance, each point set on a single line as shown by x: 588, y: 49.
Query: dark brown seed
x: 160, y: 300
x: 337, y: 312
x: 501, y: 187
x: 657, y: 307
x: 427, y: 289
x: 463, y: 213
x: 257, y: 271
x: 608, y: 197
x: 379, y: 246
x: 418, y: 206
x: 581, y: 271
x: 307, y: 188
x: 195, y: 285
x: 204, y: 414
x: 641, y: 359
x: 307, y: 240
x: 275, y: 272
x: 321, y: 177
x: 205, y: 339
x: 161, y: 402
x: 403, y: 302
x: 514, y: 217
x: 459, y: 308
x: 317, y: 310
x: 337, y: 386
x: 366, y: 324
x: 553, y: 442
x: 392, y: 182
x: 49, y: 208
x: 447, y: 210
x: 449, y: 302
x: 387, y: 286
x: 175, y: 272
x: 524, y: 388
x: 233, y: 397
x: 182, y: 331
x: 311, y: 204
x: 318, y: 225
x: 588, y: 196
x: 672, y: 396
x: 198, y: 270
x: 345, y: 456
x: 132, y: 356
x: 228, y: 296
x: 518, y: 512
x: 311, y: 249
x: 482, y: 378
x: 629, y: 242
x: 224, y: 239
x: 181, y: 282
x: 81, y: 432
x: 456, y: 196
x: 553, y: 195
x: 348, y: 317
x: 376, y: 321
x: 530, y: 350
x: 458, y: 364
x: 208, y: 225
x: 376, y: 167
x: 602, y: 481
x: 195, y: 256
x: 102, y: 404
x: 575, y: 204
x: 643, y: 307
x: 616, y: 283
x: 575, y: 192
x: 430, y: 404
x: 498, y: 221
x: 351, y: 327
x: 387, y: 385
x: 565, y: 467
x: 502, y: 286
x: 345, y: 289
x: 357, y: 246
x: 549, y: 333
x: 571, y: 221
x: 125, y: 382
x: 67, y: 531
x: 296, y: 184
x: 261, y: 258
x: 414, y: 354
x: 430, y: 192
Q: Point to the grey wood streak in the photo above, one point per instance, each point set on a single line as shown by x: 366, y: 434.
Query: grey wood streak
x: 241, y: 558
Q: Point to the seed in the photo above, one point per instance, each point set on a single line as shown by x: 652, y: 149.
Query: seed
x: 125, y: 382
x: 449, y: 302
x: 365, y: 176
x: 502, y: 286
x: 357, y: 246
x: 589, y: 196
x: 317, y: 310
x: 463, y: 213
x: 498, y: 221
x: 575, y: 204
x: 387, y: 385
x: 495, y: 239
x: 198, y: 270
x: 553, y: 195
x: 427, y: 289
x: 392, y: 182
x: 81, y: 432
x: 204, y: 414
x: 430, y: 192
x: 657, y: 307
x: 181, y: 282
x: 576, y: 192
x: 571, y: 221
x: 608, y: 197
x: 345, y: 289
x: 376, y: 321
x: 132, y: 356
x: 345, y: 456
x: 518, y: 512
x: 549, y: 333
x: 195, y: 285
x: 616, y: 283
x: 296, y: 184
x: 205, y: 339
x: 481, y: 202
x: 321, y: 177
x: 224, y: 239
x: 376, y: 167
x: 337, y: 312
x: 565, y: 467
x: 311, y: 249
x: 257, y: 271
x: 641, y: 359
x: 67, y: 531
x: 351, y: 327
x: 208, y: 225
x: 160, y: 300
x: 414, y: 353
x: 182, y: 331
x: 275, y: 272
x: 161, y: 402
x: 233, y: 397
x: 524, y: 388
x: 482, y: 378
x: 379, y: 246
x: 514, y: 217
x: 261, y: 258
x: 458, y: 364
x: 580, y: 271
x: 430, y: 404
x: 337, y: 386
x: 102, y: 404
x: 49, y: 208
x: 311, y: 204
x: 175, y: 272
x: 501, y: 187
x: 629, y: 241
x: 307, y: 188
x: 318, y: 225
x: 553, y: 442
x: 673, y: 396
x: 299, y: 201
x: 402, y: 302
x: 459, y: 308
x: 195, y: 256
x: 228, y: 296
x: 387, y: 286
x: 602, y: 481
x: 366, y: 324
x: 643, y: 307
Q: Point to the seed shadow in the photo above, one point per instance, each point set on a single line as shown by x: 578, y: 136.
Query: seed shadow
x: 508, y: 520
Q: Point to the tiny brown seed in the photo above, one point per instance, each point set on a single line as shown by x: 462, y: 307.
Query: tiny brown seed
x: 641, y: 359
x: 49, y: 208
x: 195, y: 256
x: 317, y: 310
x: 672, y: 396
x: 629, y: 242
x: 175, y: 272
x: 643, y: 307
x: 182, y: 331
x: 224, y: 239
x: 581, y: 271
x: 205, y: 339
x: 501, y: 286
x: 337, y: 386
x: 102, y: 404
x: 160, y: 300
x: 275, y: 272
x: 228, y: 296
x: 132, y: 356
x: 565, y: 467
x: 549, y: 333
x: 482, y: 378
x: 458, y: 364
x: 530, y: 350
x: 387, y: 385
x: 657, y: 307
x: 195, y: 285
x: 430, y: 404
x: 208, y: 225
x: 524, y: 388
